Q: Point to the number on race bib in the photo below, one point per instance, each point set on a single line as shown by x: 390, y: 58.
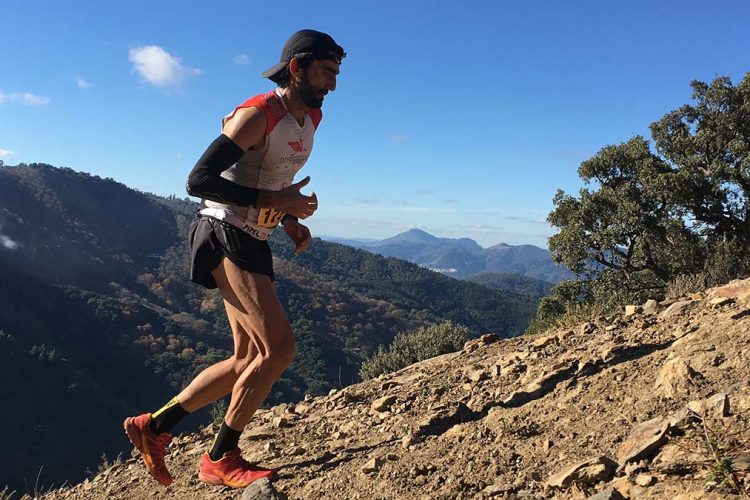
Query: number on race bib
x: 269, y: 217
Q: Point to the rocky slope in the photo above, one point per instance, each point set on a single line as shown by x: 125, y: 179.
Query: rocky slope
x: 653, y: 403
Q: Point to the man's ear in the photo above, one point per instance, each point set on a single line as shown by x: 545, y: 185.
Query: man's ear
x: 295, y: 68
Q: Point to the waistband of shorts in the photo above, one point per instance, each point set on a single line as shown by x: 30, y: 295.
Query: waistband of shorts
x: 235, y: 220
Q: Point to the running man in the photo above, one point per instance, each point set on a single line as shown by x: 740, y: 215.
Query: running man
x: 246, y: 181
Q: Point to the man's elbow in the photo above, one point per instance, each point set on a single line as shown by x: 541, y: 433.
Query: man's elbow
x: 194, y: 185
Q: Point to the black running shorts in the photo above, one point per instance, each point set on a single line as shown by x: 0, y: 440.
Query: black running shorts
x: 211, y: 240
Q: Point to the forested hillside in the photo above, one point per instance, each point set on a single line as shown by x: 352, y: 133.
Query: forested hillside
x: 99, y: 321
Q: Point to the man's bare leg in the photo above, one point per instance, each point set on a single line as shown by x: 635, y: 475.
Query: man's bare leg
x: 217, y: 380
x: 252, y: 304
x: 150, y: 432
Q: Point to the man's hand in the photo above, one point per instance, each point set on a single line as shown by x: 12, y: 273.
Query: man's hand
x: 289, y: 200
x: 299, y: 233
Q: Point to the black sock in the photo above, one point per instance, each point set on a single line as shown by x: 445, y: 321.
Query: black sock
x: 226, y: 440
x: 167, y: 417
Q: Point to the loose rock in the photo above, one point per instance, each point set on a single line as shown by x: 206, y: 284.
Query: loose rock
x: 586, y: 329
x: 262, y: 489
x: 586, y: 472
x: 633, y: 310
x: 383, y: 404
x: 608, y: 494
x: 478, y: 375
x: 644, y: 440
x: 715, y: 406
x: 719, y: 302
x: 645, y: 480
x: 544, y: 341
x: 678, y: 309
x: 651, y: 307
x: 373, y: 465
x: 675, y: 378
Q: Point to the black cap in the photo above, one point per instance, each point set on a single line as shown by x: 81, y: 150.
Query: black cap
x: 320, y: 45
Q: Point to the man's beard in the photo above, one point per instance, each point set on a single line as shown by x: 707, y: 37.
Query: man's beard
x: 308, y: 93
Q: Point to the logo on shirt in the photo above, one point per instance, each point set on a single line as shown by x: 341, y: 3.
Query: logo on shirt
x: 297, y: 146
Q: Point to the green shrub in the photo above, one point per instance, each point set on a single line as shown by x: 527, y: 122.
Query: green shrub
x: 567, y: 301
x: 411, y: 347
x: 6, y: 494
x: 685, y: 284
x: 218, y: 410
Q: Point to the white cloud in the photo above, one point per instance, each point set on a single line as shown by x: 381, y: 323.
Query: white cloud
x: 25, y: 98
x: 5, y: 152
x: 160, y: 68
x: 82, y: 83
x: 7, y: 242
x: 242, y: 59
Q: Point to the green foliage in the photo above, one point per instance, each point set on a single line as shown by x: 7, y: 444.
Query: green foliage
x: 685, y: 284
x: 565, y: 297
x: 647, y: 216
x: 424, y: 294
x: 218, y: 410
x: 721, y: 473
x: 6, y: 493
x: 513, y: 283
x: 721, y: 441
x: 43, y: 353
x: 409, y: 348
x: 570, y: 303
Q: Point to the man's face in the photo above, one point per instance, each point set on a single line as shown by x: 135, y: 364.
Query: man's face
x: 316, y: 81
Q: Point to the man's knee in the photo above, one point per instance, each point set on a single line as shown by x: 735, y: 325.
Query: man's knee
x: 241, y: 363
x: 280, y: 353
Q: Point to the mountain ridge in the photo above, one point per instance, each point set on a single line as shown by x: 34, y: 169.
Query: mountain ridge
x: 463, y: 257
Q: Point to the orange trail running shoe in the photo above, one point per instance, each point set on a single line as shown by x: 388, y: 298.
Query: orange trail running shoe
x: 231, y: 470
x: 150, y: 445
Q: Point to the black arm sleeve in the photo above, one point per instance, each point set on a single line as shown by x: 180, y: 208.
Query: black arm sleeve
x: 205, y: 180
x: 287, y: 217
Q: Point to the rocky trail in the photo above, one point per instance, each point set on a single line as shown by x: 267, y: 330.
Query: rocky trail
x: 652, y: 403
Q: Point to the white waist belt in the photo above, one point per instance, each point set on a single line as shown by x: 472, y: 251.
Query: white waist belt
x: 235, y: 220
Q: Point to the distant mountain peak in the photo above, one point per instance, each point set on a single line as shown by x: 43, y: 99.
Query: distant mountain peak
x: 500, y: 246
x: 413, y: 235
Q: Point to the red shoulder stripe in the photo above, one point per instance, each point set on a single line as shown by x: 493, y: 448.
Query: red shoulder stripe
x: 269, y: 103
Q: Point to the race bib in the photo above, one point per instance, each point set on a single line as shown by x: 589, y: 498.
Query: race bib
x: 269, y: 217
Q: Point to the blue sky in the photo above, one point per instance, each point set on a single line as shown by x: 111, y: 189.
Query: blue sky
x: 462, y: 119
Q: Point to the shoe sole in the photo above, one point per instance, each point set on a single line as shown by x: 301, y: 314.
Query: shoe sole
x: 138, y: 440
x: 212, y: 479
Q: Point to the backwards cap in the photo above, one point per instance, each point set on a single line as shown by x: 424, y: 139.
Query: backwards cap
x: 319, y: 44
